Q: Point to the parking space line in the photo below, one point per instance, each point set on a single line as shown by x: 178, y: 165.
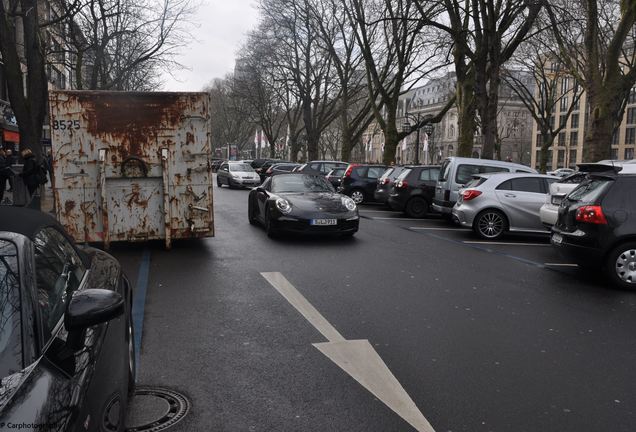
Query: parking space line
x: 139, y: 301
x: 506, y: 243
x: 560, y: 265
x: 438, y: 229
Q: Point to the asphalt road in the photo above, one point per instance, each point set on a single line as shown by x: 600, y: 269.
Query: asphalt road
x: 483, y: 337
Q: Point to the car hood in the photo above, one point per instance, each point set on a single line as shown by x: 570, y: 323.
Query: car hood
x: 315, y: 201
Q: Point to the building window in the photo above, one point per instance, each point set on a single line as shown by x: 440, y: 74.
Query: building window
x: 631, y: 116
x: 614, y: 154
x: 560, y: 158
x: 563, y: 118
x: 577, y: 105
x: 630, y: 136
x: 561, y: 141
x: 564, y: 103
x: 615, y: 137
x: 629, y: 153
x: 632, y: 96
x: 572, y: 160
x: 565, y: 84
x: 574, y: 122
x: 574, y: 138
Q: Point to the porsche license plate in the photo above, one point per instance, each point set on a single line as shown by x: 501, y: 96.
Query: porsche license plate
x: 324, y: 222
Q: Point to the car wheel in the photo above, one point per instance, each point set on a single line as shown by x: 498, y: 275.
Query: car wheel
x: 357, y: 195
x: 417, y: 207
x: 269, y: 228
x: 250, y: 213
x: 218, y: 182
x: 621, y: 266
x: 490, y: 224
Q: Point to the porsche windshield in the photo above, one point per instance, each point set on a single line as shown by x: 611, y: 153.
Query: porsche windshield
x: 300, y: 183
x: 10, y: 335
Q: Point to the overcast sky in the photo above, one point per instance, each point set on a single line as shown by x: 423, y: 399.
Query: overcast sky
x: 221, y: 29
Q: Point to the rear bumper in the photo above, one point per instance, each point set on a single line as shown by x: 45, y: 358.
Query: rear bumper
x: 443, y: 207
x: 397, y: 202
x: 578, y: 247
x: 381, y: 195
x: 549, y: 214
x: 462, y: 217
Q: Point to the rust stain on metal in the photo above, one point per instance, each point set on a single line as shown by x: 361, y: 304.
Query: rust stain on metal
x: 69, y: 206
x: 135, y: 197
x: 189, y: 138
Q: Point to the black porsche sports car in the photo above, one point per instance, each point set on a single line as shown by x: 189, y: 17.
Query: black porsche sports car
x: 302, y: 203
x: 67, y: 357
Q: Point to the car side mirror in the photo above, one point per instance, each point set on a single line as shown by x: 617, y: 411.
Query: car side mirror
x: 91, y: 307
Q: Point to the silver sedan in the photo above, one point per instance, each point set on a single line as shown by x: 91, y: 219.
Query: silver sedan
x: 492, y: 204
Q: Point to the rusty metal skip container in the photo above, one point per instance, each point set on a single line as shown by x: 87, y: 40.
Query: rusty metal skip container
x: 132, y: 166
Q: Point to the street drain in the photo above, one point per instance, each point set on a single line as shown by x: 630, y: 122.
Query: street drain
x: 156, y: 409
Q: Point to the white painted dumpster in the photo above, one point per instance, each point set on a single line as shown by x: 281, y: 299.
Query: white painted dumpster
x: 132, y: 166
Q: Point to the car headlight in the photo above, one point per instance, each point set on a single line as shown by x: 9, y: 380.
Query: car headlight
x: 284, y: 206
x: 349, y: 203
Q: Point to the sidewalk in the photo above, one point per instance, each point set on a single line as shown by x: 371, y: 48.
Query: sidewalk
x: 47, y: 202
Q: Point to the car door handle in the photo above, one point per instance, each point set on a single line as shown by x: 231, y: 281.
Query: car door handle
x: 509, y: 195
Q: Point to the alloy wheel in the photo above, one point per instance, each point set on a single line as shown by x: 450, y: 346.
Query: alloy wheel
x: 491, y: 225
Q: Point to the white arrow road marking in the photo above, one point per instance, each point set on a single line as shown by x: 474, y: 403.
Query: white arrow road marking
x: 355, y: 357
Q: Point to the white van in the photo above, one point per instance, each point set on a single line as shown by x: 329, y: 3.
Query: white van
x: 457, y: 171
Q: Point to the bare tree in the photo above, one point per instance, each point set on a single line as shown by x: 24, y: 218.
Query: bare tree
x: 596, y: 43
x: 121, y: 44
x: 397, y: 56
x: 21, y: 43
x: 229, y: 123
x: 543, y: 88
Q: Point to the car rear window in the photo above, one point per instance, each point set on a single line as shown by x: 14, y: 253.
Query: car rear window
x: 429, y: 174
x: 375, y: 172
x: 387, y: 173
x: 590, y: 191
x: 476, y: 181
x: 403, y: 175
x: 10, y: 334
x: 338, y: 172
x: 444, y: 171
x: 466, y: 172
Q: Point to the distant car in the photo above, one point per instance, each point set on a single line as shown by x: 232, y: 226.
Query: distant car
x: 561, y: 172
x: 413, y: 191
x: 262, y: 171
x: 237, y: 175
x: 360, y: 180
x: 335, y: 176
x: 493, y: 204
x: 67, y: 351
x: 302, y: 203
x: 385, y: 182
x: 596, y: 227
x: 280, y: 168
x: 455, y: 172
x: 321, y: 167
x: 549, y: 211
x: 216, y: 164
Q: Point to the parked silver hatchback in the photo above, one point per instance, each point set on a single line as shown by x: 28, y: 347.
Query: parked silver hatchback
x: 493, y: 204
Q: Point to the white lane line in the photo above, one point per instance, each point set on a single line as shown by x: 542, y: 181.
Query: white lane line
x: 506, y: 243
x: 357, y: 358
x: 438, y: 229
x: 296, y: 299
x: 560, y: 265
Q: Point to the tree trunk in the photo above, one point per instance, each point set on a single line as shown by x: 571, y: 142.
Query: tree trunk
x: 488, y: 114
x: 598, y: 138
x: 466, y: 112
x: 546, y: 143
x: 391, y: 138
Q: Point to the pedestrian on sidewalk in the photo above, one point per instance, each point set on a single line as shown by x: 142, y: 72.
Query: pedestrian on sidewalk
x: 5, y: 173
x: 30, y: 172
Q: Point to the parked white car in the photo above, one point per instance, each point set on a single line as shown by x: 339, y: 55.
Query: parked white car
x: 561, y: 172
x: 549, y: 212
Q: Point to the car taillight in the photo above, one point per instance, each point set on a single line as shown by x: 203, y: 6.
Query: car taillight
x: 350, y: 170
x: 402, y: 184
x: 386, y: 181
x: 591, y: 214
x: 470, y: 194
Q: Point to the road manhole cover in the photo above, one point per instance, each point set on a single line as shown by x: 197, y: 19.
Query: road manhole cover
x: 156, y: 409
